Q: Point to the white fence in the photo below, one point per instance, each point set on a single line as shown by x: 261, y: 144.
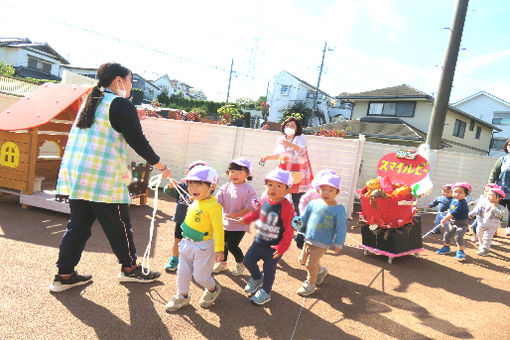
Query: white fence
x: 16, y: 87
x: 179, y: 143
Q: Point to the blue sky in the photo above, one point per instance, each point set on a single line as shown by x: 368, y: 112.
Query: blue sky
x: 375, y: 43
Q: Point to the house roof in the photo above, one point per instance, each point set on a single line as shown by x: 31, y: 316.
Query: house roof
x: 308, y: 84
x: 481, y: 93
x: 405, y: 91
x: 26, y: 72
x: 28, y: 44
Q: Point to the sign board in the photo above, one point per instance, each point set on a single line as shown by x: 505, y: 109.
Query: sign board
x: 403, y: 170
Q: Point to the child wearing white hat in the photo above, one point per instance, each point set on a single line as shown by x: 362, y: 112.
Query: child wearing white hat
x: 325, y: 224
x: 202, y: 240
x: 274, y: 235
x: 236, y: 197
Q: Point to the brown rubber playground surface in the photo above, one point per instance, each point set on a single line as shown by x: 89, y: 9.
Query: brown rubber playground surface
x: 363, y: 297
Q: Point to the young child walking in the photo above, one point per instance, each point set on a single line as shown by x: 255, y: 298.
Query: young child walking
x: 274, y: 235
x: 478, y: 203
x: 458, y: 218
x: 489, y: 213
x: 180, y: 213
x: 325, y: 222
x: 202, y: 243
x: 236, y: 197
x: 443, y: 203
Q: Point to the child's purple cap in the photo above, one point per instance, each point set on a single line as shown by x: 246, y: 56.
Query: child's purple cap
x: 331, y: 179
x: 242, y: 162
x: 281, y: 176
x: 202, y: 173
x: 195, y: 163
x: 320, y: 174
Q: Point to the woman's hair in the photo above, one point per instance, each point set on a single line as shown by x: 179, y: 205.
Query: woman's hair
x: 299, y: 129
x: 234, y: 166
x: 105, y: 75
x: 505, y: 146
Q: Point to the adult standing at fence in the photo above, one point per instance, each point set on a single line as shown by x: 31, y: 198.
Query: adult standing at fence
x: 292, y: 154
x: 500, y: 175
x: 94, y: 174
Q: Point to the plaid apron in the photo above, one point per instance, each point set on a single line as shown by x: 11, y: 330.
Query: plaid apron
x: 298, y: 164
x: 94, y: 165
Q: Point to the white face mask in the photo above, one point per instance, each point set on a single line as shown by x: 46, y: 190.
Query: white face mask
x: 122, y: 93
x: 289, y: 131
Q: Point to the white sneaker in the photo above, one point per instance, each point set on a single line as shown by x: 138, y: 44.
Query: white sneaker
x: 208, y: 298
x: 219, y: 267
x: 507, y: 231
x: 320, y: 277
x: 238, y: 269
x: 306, y: 289
x: 178, y: 301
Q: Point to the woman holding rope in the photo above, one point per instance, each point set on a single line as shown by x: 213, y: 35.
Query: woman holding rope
x: 94, y: 174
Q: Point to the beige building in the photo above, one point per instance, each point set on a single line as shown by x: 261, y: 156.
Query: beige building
x: 462, y: 132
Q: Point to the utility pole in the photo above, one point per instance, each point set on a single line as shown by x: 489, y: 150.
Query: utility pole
x: 229, y: 79
x: 316, y: 103
x: 437, y: 119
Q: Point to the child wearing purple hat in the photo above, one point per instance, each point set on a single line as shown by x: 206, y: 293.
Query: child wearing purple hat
x: 325, y: 224
x: 236, y: 197
x: 274, y: 235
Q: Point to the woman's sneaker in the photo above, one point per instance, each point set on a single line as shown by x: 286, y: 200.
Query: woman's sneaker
x: 172, y: 264
x: 178, y: 301
x: 320, y: 277
x: 306, y: 289
x: 238, y: 269
x: 208, y: 298
x: 483, y: 252
x: 59, y: 284
x: 460, y: 255
x: 261, y: 297
x: 253, y: 285
x: 137, y: 275
x: 444, y: 250
x: 219, y: 267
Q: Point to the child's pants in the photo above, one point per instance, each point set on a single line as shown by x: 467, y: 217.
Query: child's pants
x: 253, y: 255
x: 195, y: 259
x: 439, y: 217
x: 457, y: 229
x: 485, y: 234
x: 232, y: 240
x: 311, y: 255
x: 475, y: 224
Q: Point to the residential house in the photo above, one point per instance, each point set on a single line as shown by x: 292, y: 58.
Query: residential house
x: 197, y: 94
x: 462, y: 131
x: 165, y: 84
x: 493, y: 110
x: 32, y: 59
x: 289, y: 89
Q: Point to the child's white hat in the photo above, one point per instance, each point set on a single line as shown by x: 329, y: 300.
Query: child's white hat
x: 202, y: 173
x: 320, y: 174
x: 330, y: 178
x: 195, y: 163
x: 242, y: 162
x: 281, y: 176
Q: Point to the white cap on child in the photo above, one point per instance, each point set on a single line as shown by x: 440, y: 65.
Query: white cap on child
x: 202, y: 173
x: 320, y: 174
x: 242, y: 162
x: 281, y: 176
x: 331, y: 179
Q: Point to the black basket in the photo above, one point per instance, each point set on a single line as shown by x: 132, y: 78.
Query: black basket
x: 394, y: 240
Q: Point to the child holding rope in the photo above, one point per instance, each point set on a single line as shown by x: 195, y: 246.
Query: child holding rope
x: 443, y: 203
x: 274, y: 235
x: 458, y: 218
x: 203, y: 240
x: 478, y: 203
x: 236, y: 197
x: 180, y: 214
x: 325, y: 222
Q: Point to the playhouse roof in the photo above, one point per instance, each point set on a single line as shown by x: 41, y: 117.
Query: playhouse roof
x: 41, y: 106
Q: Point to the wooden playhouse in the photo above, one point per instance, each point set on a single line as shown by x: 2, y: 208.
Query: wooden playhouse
x: 44, y: 117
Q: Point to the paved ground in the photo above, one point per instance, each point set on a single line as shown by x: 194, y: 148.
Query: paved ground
x: 364, y: 297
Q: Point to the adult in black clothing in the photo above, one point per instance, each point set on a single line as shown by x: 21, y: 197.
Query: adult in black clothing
x: 94, y: 174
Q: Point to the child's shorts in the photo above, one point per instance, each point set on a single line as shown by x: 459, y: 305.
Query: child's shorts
x: 178, y: 230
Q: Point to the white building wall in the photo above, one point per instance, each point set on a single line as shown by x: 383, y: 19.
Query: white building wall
x: 10, y: 56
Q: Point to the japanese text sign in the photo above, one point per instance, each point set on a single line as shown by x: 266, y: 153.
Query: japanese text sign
x: 403, y: 170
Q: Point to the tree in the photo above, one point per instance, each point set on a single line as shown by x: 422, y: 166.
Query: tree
x: 298, y: 109
x: 229, y: 113
x: 163, y: 97
x: 6, y: 69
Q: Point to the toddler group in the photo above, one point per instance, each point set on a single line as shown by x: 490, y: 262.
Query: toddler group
x: 453, y: 214
x: 211, y: 227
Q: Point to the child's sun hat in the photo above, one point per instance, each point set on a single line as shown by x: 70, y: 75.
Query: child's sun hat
x: 202, y: 173
x: 498, y: 190
x: 320, y: 174
x: 462, y: 185
x: 331, y: 179
x: 281, y: 176
x: 242, y: 162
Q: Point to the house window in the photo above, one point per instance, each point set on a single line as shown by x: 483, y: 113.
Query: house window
x: 459, y: 129
x: 497, y: 144
x: 39, y: 65
x: 471, y: 125
x: 310, y: 94
x: 398, y: 109
x: 284, y: 91
x: 478, y: 132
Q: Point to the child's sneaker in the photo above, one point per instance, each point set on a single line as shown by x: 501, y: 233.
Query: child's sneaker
x: 483, y: 252
x: 59, y: 284
x: 320, y: 277
x: 253, y: 285
x: 261, y: 297
x: 178, y: 301
x: 208, y: 298
x: 137, y: 275
x: 460, y: 255
x: 238, y: 269
x: 444, y: 250
x: 507, y: 231
x: 306, y: 289
x: 172, y: 264
x: 219, y: 267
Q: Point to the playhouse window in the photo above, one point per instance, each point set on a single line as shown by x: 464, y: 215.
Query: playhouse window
x: 9, y: 155
x: 49, y: 149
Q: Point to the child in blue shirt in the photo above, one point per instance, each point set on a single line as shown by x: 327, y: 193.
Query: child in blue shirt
x: 325, y: 222
x: 443, y: 203
x: 458, y: 218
